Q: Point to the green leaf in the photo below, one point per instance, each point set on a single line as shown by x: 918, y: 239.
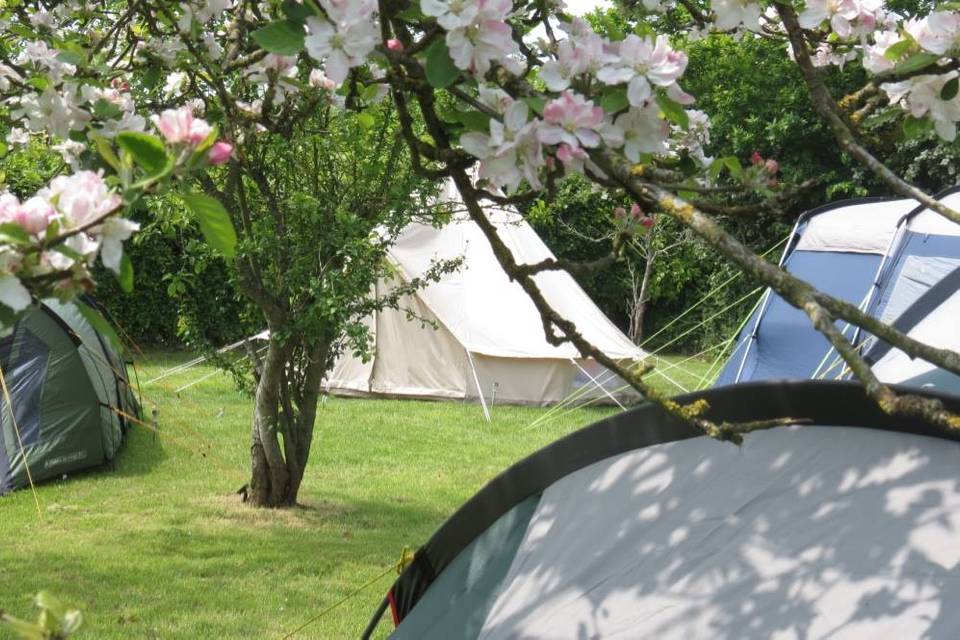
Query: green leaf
x: 441, y: 72
x: 615, y: 100
x: 98, y: 322
x: 214, y: 222
x: 536, y: 104
x: 733, y: 166
x: 412, y: 14
x: 673, y: 111
x: 106, y: 110
x: 883, y: 117
x: 897, y: 50
x: 12, y: 233
x: 366, y: 120
x: 39, y: 82
x: 147, y: 150
x: 284, y: 37
x: 106, y: 152
x: 916, y: 62
x: 716, y: 168
x: 125, y: 277
x: 71, y: 57
x: 474, y: 120
x: 297, y: 11
x: 949, y: 90
x: 151, y: 76
x: 916, y: 127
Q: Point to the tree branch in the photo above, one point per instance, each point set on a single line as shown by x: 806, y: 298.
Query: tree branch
x: 827, y: 109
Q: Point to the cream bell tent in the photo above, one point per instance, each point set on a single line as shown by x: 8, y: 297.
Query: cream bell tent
x: 485, y: 340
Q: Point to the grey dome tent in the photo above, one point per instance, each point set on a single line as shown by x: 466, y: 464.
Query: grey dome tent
x: 70, y: 395
x: 640, y: 527
x: 895, y: 259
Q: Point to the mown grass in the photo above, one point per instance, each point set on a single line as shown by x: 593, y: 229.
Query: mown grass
x: 161, y: 547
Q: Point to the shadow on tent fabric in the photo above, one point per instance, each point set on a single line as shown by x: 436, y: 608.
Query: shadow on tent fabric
x: 800, y: 533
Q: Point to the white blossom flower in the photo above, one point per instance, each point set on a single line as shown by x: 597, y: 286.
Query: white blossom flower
x: 922, y: 97
x: 644, y: 131
x: 13, y: 294
x: 643, y: 63
x: 731, y: 14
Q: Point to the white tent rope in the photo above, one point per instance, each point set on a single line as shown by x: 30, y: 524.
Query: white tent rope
x: 669, y: 379
x: 733, y: 304
x: 476, y: 381
x: 198, y: 360
x: 710, y: 294
x: 213, y: 373
x: 708, y: 375
x: 599, y: 385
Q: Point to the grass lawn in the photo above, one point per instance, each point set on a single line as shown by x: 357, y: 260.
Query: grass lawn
x: 161, y: 547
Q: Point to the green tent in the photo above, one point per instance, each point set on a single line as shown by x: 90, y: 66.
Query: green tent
x: 70, y: 395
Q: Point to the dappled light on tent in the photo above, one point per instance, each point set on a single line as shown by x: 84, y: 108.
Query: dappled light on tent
x: 640, y: 527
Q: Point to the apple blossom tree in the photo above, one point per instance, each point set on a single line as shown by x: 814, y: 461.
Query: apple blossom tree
x: 513, y: 96
x: 504, y: 98
x: 304, y: 199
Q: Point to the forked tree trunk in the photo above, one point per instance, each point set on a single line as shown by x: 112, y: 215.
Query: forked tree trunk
x: 640, y: 297
x: 280, y: 441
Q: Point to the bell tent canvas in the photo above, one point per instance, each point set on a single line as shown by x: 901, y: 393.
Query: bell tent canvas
x: 895, y: 259
x: 484, y: 339
x: 69, y: 394
x: 844, y: 527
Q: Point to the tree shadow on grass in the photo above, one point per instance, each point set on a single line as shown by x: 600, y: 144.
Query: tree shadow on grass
x: 228, y: 571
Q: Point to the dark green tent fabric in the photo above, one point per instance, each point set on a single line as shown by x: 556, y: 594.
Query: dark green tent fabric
x: 457, y: 603
x: 66, y: 385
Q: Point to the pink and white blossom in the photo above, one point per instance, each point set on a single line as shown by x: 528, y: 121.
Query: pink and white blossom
x: 487, y: 38
x: 874, y: 59
x: 113, y: 232
x: 346, y: 42
x: 180, y: 126
x: 847, y: 18
x: 573, y: 120
x: 511, y: 152
x: 732, y: 14
x: 644, y: 131
x: 452, y: 14
x: 938, y: 32
x: 81, y: 198
x: 584, y: 53
x: 642, y: 64
x: 922, y: 97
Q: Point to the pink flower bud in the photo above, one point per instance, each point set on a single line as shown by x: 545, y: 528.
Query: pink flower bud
x: 619, y: 213
x: 756, y: 158
x: 772, y: 166
x: 220, y: 152
x: 394, y: 45
x: 647, y: 222
x: 319, y: 80
x: 635, y: 211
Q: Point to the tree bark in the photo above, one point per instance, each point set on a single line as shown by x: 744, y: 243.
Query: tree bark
x: 640, y: 298
x: 283, y: 422
x: 269, y: 477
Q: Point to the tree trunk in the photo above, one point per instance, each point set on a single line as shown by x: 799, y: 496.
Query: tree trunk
x: 282, y: 430
x: 640, y: 298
